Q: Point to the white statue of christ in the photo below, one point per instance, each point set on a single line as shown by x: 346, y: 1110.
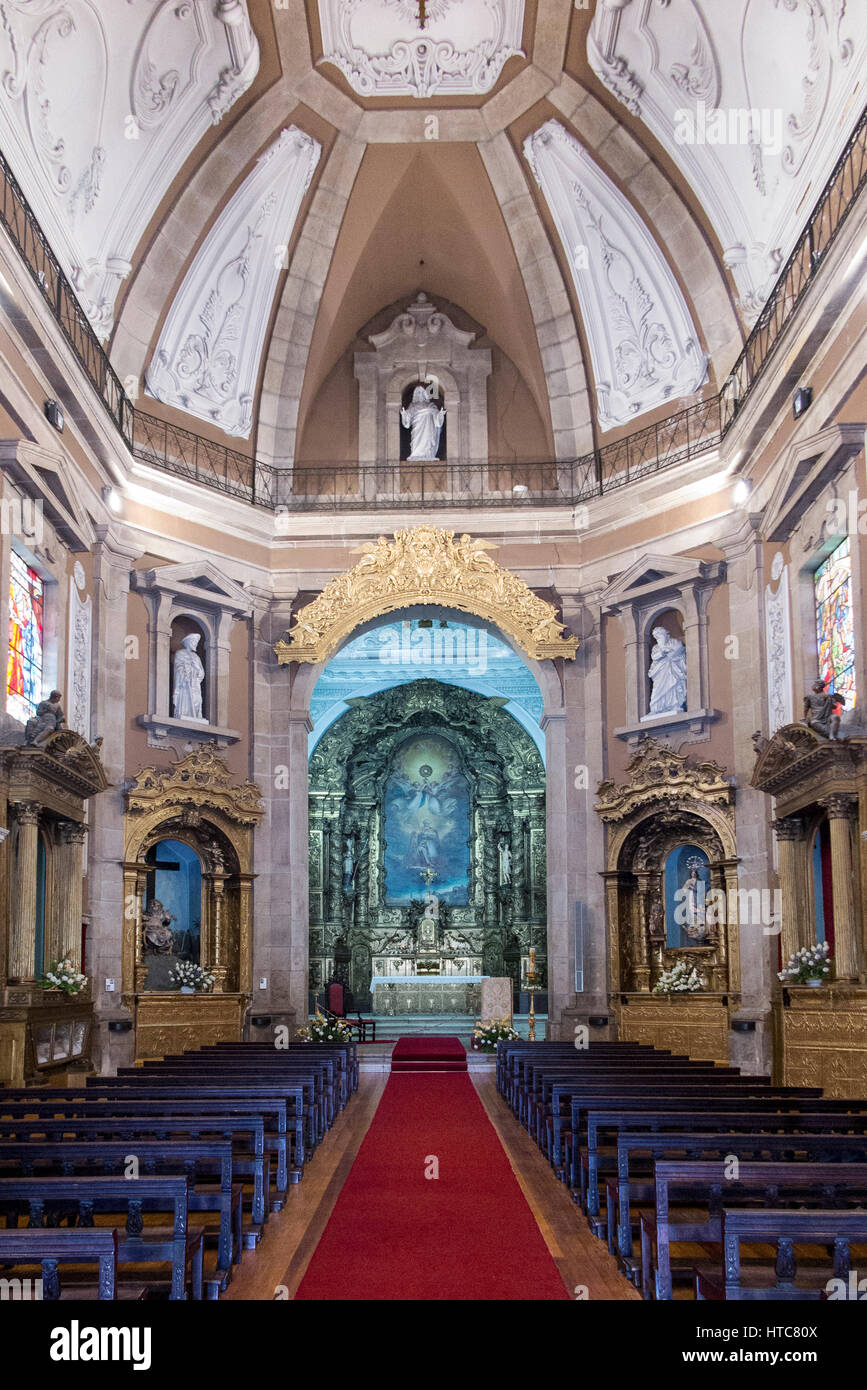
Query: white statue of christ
x: 424, y: 419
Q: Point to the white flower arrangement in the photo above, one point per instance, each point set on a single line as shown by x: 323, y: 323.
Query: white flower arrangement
x: 325, y: 1029
x: 193, y: 976
x: 680, y: 979
x: 488, y: 1035
x: 61, y: 974
x: 809, y: 963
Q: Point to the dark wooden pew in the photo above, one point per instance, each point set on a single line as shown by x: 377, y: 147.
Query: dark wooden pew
x: 839, y: 1230
x: 37, y: 1104
x: 689, y: 1198
x: 48, y: 1249
x: 78, y: 1199
x: 690, y: 1104
x: 238, y: 1083
x: 41, y: 1157
x: 319, y: 1074
x: 248, y: 1157
x: 557, y: 1142
x: 785, y: 1142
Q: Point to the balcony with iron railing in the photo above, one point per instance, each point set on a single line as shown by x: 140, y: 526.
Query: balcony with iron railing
x: 347, y: 487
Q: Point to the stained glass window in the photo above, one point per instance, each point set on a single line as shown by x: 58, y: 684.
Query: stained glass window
x: 835, y: 628
x: 24, y: 668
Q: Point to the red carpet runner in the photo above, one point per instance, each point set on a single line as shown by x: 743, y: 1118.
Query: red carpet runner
x: 398, y: 1234
x: 429, y: 1054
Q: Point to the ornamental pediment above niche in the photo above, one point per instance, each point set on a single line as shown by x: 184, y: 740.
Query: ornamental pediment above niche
x: 798, y: 764
x: 652, y: 575
x: 657, y: 775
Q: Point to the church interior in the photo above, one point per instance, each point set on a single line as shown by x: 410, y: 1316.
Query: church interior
x: 433, y: 781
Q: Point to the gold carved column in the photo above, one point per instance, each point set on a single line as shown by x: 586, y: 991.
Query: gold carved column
x: 789, y: 831
x: 64, y: 941
x: 840, y: 811
x: 22, y: 946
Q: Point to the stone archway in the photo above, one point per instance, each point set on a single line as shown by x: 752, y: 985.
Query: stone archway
x: 425, y: 568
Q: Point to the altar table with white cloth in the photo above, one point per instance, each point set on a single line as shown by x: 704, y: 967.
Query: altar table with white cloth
x: 426, y: 994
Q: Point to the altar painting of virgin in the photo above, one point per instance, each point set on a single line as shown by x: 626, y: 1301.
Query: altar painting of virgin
x: 427, y: 823
x: 687, y: 884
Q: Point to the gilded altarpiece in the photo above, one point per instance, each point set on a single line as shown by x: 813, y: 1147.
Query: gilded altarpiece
x: 425, y: 777
x: 667, y: 803
x: 44, y: 792
x: 820, y: 784
x: 197, y: 804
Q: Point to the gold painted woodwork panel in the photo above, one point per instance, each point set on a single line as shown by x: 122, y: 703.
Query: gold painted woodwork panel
x: 824, y: 1039
x: 173, y: 1023
x: 692, y: 1025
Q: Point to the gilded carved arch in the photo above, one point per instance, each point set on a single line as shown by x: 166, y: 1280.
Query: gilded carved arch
x: 199, y: 803
x: 425, y: 565
x: 668, y: 799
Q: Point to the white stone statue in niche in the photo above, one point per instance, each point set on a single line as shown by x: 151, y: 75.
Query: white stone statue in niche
x: 505, y: 863
x: 424, y: 419
x: 667, y: 674
x: 189, y: 674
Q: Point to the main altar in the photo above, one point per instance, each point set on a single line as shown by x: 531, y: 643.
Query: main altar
x: 429, y: 971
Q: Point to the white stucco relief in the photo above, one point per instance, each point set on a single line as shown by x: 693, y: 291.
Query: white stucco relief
x: 750, y: 99
x: 102, y: 104
x: 779, y: 647
x: 643, y: 343
x: 208, y: 356
x: 382, y: 50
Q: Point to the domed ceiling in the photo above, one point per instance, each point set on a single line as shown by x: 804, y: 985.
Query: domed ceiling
x: 240, y: 189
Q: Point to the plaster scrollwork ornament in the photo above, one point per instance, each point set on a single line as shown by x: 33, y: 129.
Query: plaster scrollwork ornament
x: 425, y: 565
x: 78, y: 668
x: 382, y: 49
x: 201, y: 781
x: 207, y: 358
x: 779, y: 650
x: 89, y: 89
x: 643, y: 343
x: 656, y: 776
x: 751, y: 136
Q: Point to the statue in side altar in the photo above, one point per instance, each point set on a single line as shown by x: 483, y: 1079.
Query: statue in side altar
x: 822, y: 709
x: 49, y: 717
x: 157, y: 935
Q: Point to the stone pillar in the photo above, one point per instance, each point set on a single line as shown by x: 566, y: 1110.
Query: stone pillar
x: 790, y: 833
x: 270, y: 769
x: 111, y: 662
x: 647, y: 882
x: 737, y: 680
x: 22, y: 946
x: 66, y: 929
x: 840, y: 813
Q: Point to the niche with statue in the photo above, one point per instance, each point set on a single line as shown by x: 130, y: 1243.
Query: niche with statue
x: 171, y: 911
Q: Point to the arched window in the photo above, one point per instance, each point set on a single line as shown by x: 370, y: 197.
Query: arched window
x: 25, y: 660
x: 835, y: 628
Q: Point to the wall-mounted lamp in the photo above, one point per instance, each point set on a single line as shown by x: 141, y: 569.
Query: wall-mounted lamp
x: 54, y: 415
x: 742, y: 491
x: 801, y: 401
x: 111, y: 498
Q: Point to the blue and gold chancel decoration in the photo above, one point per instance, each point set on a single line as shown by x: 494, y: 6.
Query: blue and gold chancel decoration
x: 427, y: 823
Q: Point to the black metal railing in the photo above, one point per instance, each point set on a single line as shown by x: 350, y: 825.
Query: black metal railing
x: 834, y: 204
x: 20, y: 222
x: 489, y: 483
